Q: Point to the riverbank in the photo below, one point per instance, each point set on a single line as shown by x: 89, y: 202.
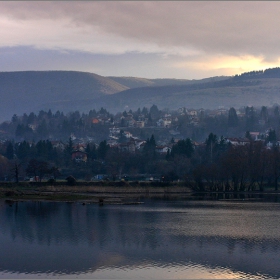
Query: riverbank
x: 114, y: 192
x: 120, y: 192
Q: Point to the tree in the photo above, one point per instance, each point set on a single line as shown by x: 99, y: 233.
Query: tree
x: 68, y: 151
x: 154, y: 112
x: 54, y: 171
x: 71, y: 181
x: 10, y: 150
x: 15, y: 170
x: 22, y: 150
x: 264, y: 113
x: 102, y: 149
x: 14, y: 118
x: 37, y: 169
x: 91, y: 151
x: 5, y: 167
x: 149, y: 148
x: 232, y: 118
x: 271, y: 136
x: 31, y: 118
x: 211, y: 142
x: 183, y: 147
x: 122, y: 137
x: 274, y: 166
x: 42, y: 129
x: 250, y: 115
x: 248, y: 135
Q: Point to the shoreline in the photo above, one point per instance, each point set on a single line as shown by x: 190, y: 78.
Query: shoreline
x: 91, y: 194
x: 125, y: 194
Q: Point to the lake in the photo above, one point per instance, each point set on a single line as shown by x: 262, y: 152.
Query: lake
x: 159, y: 239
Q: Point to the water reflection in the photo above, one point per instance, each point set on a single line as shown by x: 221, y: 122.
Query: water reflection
x: 162, y: 239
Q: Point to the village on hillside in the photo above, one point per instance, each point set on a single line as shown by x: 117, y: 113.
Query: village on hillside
x: 139, y: 144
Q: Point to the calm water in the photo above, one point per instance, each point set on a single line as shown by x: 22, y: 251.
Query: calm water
x: 154, y: 240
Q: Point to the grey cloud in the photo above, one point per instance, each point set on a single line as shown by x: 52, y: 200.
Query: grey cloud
x: 232, y: 28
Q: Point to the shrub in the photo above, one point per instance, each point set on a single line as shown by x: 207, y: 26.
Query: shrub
x: 51, y: 181
x: 71, y: 181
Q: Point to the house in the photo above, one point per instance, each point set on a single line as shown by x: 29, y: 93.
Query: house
x: 79, y: 156
x: 163, y: 149
x: 131, y: 123
x: 99, y: 177
x: 127, y: 134
x: 58, y: 145
x: 114, y: 131
x: 174, y: 132
x: 164, y: 122
x: 127, y: 147
x: 113, y: 142
x: 192, y: 113
x: 255, y: 135
x: 238, y: 141
x: 33, y: 126
x: 140, y: 124
x: 95, y: 121
x: 139, y: 143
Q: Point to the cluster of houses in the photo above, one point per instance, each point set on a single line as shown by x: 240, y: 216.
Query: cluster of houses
x: 254, y: 136
x: 131, y: 145
x: 134, y: 144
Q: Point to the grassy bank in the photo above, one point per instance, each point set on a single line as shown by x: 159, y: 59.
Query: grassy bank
x: 91, y: 191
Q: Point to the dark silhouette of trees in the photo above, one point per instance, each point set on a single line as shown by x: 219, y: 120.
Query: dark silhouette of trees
x: 149, y: 149
x: 37, y: 169
x: 102, y: 149
x: 232, y: 118
x: 15, y: 170
x: 10, y: 150
x: 183, y: 147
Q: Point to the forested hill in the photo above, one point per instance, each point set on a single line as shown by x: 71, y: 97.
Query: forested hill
x: 255, y: 88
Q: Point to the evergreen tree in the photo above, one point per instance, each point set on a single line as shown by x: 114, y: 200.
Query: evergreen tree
x: 149, y: 148
x: 102, y: 150
x: 183, y: 147
x: 22, y: 150
x: 232, y: 118
x: 10, y: 150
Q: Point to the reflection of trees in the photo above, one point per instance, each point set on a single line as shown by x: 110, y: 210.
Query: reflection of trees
x: 82, y: 234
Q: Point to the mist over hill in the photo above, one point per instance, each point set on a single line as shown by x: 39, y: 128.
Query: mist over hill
x: 26, y: 91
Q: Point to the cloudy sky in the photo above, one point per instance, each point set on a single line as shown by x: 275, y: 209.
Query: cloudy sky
x: 162, y: 39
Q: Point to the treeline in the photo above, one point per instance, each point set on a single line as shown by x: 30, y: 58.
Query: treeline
x: 268, y: 73
x: 48, y: 125
x: 215, y: 165
x: 95, y: 124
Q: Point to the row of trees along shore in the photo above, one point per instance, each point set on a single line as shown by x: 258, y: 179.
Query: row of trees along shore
x: 213, y: 166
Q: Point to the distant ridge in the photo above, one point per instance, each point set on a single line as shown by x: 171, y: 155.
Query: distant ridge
x: 134, y: 82
x: 255, y: 88
x: 27, y: 91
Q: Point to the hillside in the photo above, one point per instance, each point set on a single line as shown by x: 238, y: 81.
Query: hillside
x: 134, y: 82
x: 27, y: 90
x: 69, y: 91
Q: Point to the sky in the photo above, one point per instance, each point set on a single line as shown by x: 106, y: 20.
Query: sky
x: 148, y: 39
